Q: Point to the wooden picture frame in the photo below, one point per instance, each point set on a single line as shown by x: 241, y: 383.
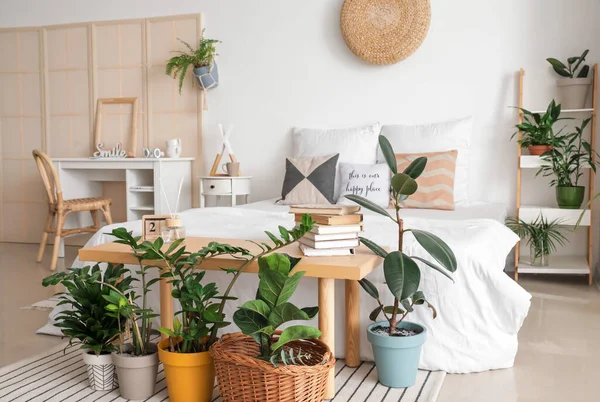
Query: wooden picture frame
x: 131, y: 152
x: 152, y: 226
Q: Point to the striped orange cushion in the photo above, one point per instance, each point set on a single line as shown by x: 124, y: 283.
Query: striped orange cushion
x: 436, y: 184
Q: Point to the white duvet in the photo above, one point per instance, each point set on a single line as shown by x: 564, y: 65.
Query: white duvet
x: 479, y: 315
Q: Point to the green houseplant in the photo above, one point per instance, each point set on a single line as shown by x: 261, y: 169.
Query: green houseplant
x: 537, y: 129
x: 397, y: 343
x: 202, y: 60
x: 574, y: 83
x: 565, y: 163
x: 86, y: 324
x: 542, y: 237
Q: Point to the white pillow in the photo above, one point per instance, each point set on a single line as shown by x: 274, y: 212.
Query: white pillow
x: 445, y: 136
x: 369, y: 181
x: 354, y: 145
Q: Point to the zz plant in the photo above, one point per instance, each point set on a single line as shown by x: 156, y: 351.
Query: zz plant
x: 537, y: 129
x: 260, y: 318
x: 402, y: 274
x: 572, y: 68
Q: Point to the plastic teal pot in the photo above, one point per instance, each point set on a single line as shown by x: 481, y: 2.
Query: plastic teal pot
x: 570, y: 197
x: 396, y: 357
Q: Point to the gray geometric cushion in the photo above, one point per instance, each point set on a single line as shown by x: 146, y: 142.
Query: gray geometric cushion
x: 309, y: 180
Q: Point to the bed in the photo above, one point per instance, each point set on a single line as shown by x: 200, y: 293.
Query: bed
x: 479, y: 315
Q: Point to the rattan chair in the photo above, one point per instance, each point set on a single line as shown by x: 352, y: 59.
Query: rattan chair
x: 59, y: 208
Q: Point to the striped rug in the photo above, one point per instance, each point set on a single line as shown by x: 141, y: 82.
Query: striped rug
x: 55, y: 376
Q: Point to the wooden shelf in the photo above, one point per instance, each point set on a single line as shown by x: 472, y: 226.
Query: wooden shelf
x: 568, y: 217
x: 591, y: 110
x: 558, y: 264
x: 535, y: 161
x: 144, y: 189
x: 142, y: 208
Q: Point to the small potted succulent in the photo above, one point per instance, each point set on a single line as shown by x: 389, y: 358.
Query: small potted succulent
x: 202, y: 60
x: 574, y: 84
x: 565, y: 163
x: 537, y: 129
x: 396, y: 342
x: 87, y: 323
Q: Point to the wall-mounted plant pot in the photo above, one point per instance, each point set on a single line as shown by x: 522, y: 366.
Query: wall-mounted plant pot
x: 137, y: 374
x: 573, y: 92
x: 539, y: 149
x: 207, y: 77
x: 570, y: 197
x: 101, y: 372
x: 397, y: 357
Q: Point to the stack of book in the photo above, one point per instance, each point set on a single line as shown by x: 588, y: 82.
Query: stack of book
x: 335, y: 231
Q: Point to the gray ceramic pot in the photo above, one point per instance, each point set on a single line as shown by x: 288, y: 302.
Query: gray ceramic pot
x: 573, y: 92
x: 137, y: 374
x: 207, y: 78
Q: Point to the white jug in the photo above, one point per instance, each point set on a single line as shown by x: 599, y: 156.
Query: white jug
x: 174, y: 148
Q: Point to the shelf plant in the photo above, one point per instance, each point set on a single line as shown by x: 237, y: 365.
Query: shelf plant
x: 574, y: 68
x: 396, y: 342
x: 537, y: 129
x: 574, y: 83
x: 86, y: 323
x: 541, y: 235
x: 201, y: 60
x: 565, y: 163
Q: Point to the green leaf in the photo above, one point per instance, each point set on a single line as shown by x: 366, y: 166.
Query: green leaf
x: 249, y: 321
x: 380, y: 251
x: 369, y: 288
x: 275, y: 288
x: 275, y: 262
x: 388, y: 153
x: 401, y: 274
x: 556, y: 63
x: 167, y: 332
x: 419, y: 298
x: 416, y: 167
x: 293, y: 333
x: 375, y: 313
x: 583, y: 73
x: 363, y: 202
x: 390, y: 310
x: 211, y: 316
x: 285, y: 312
x: 404, y: 184
x: 437, y: 248
x: 432, y: 265
x: 311, y: 312
x: 257, y: 306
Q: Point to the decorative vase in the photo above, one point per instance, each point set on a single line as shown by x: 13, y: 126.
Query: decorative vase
x: 573, y: 92
x: 570, y: 197
x: 137, y: 374
x: 397, y: 357
x: 538, y: 149
x: 190, y: 376
x: 101, y: 372
x: 207, y: 77
x: 174, y: 148
x: 538, y: 254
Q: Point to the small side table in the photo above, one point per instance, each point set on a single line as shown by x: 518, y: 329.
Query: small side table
x: 229, y: 186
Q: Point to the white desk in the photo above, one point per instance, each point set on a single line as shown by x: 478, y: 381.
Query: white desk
x: 83, y: 177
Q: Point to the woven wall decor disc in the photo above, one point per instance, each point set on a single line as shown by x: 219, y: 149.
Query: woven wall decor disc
x: 385, y: 31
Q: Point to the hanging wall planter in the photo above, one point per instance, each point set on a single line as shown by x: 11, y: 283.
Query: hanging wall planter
x: 207, y: 77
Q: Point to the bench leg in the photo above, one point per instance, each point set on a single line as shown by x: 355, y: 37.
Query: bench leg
x: 327, y: 325
x: 352, y: 323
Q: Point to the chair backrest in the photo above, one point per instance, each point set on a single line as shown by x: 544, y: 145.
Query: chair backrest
x: 49, y: 176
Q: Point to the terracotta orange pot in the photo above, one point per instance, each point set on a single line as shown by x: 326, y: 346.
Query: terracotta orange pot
x: 190, y: 376
x: 538, y: 149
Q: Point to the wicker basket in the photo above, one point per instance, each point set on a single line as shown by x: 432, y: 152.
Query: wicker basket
x: 243, y: 377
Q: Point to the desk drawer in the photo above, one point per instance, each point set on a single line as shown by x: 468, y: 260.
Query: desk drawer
x: 216, y: 186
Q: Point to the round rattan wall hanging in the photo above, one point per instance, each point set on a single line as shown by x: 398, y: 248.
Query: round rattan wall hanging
x: 385, y: 31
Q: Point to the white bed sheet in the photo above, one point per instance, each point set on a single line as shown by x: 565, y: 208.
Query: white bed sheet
x: 479, y: 315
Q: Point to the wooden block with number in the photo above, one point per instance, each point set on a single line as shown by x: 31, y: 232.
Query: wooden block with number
x: 152, y: 226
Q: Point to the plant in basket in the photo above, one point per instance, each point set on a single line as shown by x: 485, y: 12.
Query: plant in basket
x: 270, y: 364
x: 396, y: 342
x: 87, y: 323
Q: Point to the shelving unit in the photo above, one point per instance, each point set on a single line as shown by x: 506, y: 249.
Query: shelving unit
x: 559, y: 265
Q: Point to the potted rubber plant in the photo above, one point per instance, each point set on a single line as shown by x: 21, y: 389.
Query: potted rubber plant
x: 87, y: 323
x: 542, y: 237
x: 136, y: 358
x: 570, y: 155
x: 268, y: 363
x: 189, y: 367
x: 397, y: 342
x: 201, y: 59
x: 574, y: 84
x: 537, y: 129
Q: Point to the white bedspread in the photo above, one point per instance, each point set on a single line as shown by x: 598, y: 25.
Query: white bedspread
x: 478, y: 316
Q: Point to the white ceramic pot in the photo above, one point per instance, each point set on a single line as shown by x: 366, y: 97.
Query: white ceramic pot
x: 573, y: 92
x: 174, y: 148
x: 101, y: 372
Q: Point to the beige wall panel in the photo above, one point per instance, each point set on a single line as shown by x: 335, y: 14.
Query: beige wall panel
x: 112, y: 127
x: 116, y: 192
x: 59, y: 140
x: 107, y: 46
x: 35, y: 219
x: 32, y: 187
x: 12, y: 222
x: 131, y: 44
x: 162, y: 38
x: 162, y: 91
x: 58, y: 101
x: 10, y: 95
x: 31, y: 96
x: 187, y: 101
x: 29, y: 54
x: 56, y: 48
x: 78, y: 92
x: 8, y: 51
x: 11, y: 180
x: 32, y: 136
x: 132, y: 86
x: 108, y: 85
x: 185, y: 29
x: 81, y: 137
x: 77, y: 48
x: 10, y: 127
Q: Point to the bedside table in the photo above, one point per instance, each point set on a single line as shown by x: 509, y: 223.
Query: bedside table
x: 228, y: 186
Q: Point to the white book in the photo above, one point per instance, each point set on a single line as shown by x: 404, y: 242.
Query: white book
x: 350, y: 243
x: 333, y: 236
x: 333, y: 252
x: 328, y: 229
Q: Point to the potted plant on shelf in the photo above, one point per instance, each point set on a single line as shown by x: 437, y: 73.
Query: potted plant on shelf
x: 202, y: 60
x: 574, y: 85
x: 396, y: 342
x: 565, y: 162
x: 542, y: 237
x: 537, y: 129
x: 189, y: 368
x: 87, y: 323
